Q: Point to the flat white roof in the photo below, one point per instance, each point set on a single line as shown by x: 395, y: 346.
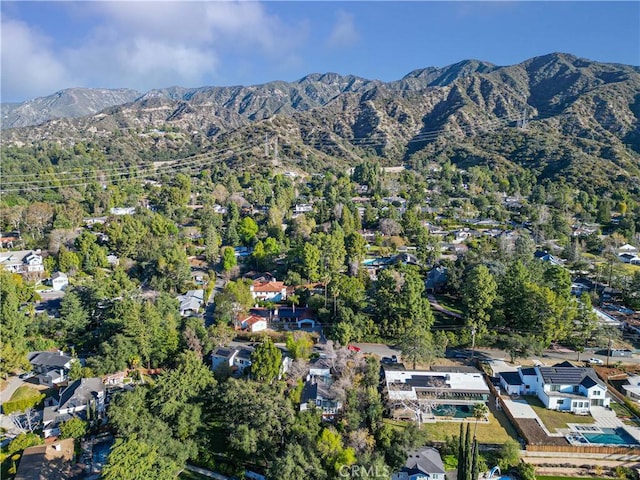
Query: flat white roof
x: 453, y: 382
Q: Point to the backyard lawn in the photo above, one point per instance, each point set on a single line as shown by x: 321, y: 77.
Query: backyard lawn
x: 554, y: 420
x: 23, y: 392
x: 492, y: 432
x: 450, y: 302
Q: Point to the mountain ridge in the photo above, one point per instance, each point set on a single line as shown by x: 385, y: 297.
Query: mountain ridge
x: 575, y: 109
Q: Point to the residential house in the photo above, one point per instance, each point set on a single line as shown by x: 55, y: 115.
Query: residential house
x: 582, y: 285
x: 317, y: 391
x: 422, y: 464
x: 547, y: 257
x: 51, y: 368
x: 191, y: 302
x: 259, y: 276
x: 114, y: 378
x: 632, y: 388
x: 302, y: 316
x: 223, y: 356
x: 113, y: 260
x: 562, y: 387
x: 82, y: 395
x: 627, y: 248
x: 236, y: 359
x: 89, y: 222
x: 9, y: 239
x: 269, y: 291
x: 436, y: 279
x: 59, y: 281
x: 22, y: 261
x: 254, y: 323
x: 52, y: 461
x: 631, y: 258
x: 84, y: 398
x: 431, y: 391
x: 122, y: 210
x: 302, y: 208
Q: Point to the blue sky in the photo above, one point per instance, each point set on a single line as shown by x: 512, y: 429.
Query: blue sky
x: 48, y: 46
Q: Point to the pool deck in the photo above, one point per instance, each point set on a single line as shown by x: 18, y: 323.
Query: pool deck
x: 602, y: 418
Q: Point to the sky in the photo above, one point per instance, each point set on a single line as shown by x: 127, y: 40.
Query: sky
x: 49, y: 46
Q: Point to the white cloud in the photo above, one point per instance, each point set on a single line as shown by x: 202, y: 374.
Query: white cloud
x: 29, y: 66
x: 153, y: 44
x: 344, y: 33
x: 112, y: 59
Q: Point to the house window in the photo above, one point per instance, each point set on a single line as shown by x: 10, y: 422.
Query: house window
x: 561, y: 402
x: 596, y: 393
x: 555, y: 388
x: 576, y: 389
x: 527, y: 386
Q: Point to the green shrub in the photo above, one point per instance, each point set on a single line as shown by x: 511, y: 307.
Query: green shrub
x: 526, y: 471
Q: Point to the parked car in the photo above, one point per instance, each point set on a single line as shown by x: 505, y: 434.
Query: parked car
x: 27, y: 375
x: 353, y: 348
x: 595, y: 361
x: 394, y: 358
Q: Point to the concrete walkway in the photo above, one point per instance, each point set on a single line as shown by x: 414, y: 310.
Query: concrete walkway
x: 605, y: 418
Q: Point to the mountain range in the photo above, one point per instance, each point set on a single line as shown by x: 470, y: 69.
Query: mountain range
x: 577, y: 113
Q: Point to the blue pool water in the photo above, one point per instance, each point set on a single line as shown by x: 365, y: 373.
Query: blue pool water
x: 455, y: 411
x: 101, y: 452
x: 611, y: 436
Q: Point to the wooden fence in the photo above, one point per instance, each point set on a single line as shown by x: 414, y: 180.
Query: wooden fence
x: 583, y: 449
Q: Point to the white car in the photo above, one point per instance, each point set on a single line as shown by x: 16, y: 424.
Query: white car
x: 595, y: 361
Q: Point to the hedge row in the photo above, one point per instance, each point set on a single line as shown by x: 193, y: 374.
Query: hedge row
x: 22, y: 404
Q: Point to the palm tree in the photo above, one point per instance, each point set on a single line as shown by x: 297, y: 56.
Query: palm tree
x: 294, y: 300
x: 480, y: 410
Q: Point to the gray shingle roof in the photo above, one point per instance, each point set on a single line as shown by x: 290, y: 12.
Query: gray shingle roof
x: 80, y: 392
x: 568, y: 375
x: 49, y: 359
x: 427, y: 460
x: 511, y: 378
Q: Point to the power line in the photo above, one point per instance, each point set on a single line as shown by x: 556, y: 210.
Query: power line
x: 141, y: 174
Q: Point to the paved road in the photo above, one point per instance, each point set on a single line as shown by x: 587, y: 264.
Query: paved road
x: 549, y: 357
x: 211, y: 306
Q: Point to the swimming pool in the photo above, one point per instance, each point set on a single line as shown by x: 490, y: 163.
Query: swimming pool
x: 455, y: 411
x: 610, y: 436
x: 100, y: 453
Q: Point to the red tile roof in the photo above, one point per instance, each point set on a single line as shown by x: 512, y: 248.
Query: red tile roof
x: 268, y: 286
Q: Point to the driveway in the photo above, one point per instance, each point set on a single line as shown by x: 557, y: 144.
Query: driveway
x: 5, y: 420
x: 436, y: 306
x: 12, y: 385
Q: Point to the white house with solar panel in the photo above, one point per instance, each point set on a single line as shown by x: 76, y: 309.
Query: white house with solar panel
x: 562, y: 387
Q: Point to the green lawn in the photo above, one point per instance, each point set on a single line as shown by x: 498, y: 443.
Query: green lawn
x: 554, y: 420
x: 450, y: 302
x: 25, y: 392
x: 622, y: 411
x: 24, y: 397
x: 492, y: 432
